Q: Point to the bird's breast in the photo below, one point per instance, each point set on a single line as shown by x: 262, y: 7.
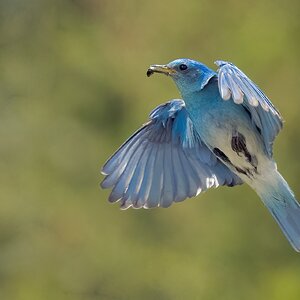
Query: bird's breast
x: 228, y: 131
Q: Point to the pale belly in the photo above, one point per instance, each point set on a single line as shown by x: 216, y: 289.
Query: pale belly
x: 231, y: 135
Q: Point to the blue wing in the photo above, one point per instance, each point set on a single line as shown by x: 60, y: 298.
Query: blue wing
x: 235, y: 85
x: 165, y: 161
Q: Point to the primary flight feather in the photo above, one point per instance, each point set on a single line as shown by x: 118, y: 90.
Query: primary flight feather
x: 220, y: 133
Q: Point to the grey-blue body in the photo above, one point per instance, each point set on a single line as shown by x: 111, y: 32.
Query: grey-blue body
x: 221, y: 133
x: 217, y: 120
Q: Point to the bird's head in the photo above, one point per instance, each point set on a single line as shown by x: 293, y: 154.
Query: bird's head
x: 189, y: 75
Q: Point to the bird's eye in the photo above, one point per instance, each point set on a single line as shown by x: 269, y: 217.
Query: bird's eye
x: 183, y: 67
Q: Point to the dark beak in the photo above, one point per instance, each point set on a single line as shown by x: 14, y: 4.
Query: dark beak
x: 164, y: 69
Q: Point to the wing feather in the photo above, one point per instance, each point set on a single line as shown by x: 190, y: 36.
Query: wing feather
x: 233, y: 82
x: 181, y: 184
x: 157, y: 179
x: 148, y: 176
x: 163, y: 162
x: 168, y: 178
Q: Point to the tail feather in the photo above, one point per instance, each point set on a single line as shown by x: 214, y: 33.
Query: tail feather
x: 282, y: 204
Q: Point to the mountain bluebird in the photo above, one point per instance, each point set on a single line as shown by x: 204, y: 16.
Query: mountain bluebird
x: 221, y: 133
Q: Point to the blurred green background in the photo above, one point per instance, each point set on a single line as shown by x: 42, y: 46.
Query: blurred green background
x: 72, y: 89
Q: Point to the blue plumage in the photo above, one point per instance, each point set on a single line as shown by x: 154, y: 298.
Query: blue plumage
x: 221, y: 133
x: 164, y: 161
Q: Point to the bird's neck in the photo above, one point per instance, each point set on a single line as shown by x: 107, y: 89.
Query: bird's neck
x: 202, y: 99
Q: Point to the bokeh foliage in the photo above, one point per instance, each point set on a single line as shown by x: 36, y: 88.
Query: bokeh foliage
x: 72, y: 88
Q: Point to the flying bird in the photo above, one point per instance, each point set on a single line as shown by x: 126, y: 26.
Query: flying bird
x: 220, y: 133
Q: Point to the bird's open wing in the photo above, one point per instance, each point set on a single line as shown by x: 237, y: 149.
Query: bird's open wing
x: 165, y: 161
x: 235, y: 85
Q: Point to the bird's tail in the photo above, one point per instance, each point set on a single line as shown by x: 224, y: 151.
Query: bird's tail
x: 282, y: 204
